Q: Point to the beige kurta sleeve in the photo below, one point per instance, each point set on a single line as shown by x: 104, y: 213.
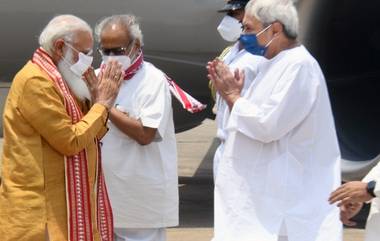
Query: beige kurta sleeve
x: 42, y: 106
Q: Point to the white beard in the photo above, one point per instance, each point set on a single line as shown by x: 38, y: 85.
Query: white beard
x: 75, y: 83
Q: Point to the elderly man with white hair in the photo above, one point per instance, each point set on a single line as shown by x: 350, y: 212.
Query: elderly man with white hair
x: 281, y: 158
x: 139, y: 152
x: 53, y: 186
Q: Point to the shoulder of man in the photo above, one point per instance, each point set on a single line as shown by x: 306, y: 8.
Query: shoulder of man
x: 299, y: 56
x: 31, y: 73
x: 155, y: 74
x: 250, y: 61
x: 31, y: 70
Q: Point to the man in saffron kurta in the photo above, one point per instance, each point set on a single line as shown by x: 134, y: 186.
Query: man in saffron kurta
x: 39, y: 136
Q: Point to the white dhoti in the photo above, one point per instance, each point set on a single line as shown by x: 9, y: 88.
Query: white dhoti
x: 140, y: 234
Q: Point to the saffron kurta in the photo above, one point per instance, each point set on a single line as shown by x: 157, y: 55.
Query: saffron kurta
x: 38, y: 133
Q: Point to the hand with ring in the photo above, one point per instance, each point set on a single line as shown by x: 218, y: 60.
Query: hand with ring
x: 109, y: 83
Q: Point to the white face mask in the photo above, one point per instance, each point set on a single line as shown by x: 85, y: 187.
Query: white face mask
x: 124, y: 60
x: 230, y: 29
x: 84, y: 62
x: 75, y: 82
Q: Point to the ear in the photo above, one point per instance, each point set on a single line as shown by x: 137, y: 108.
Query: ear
x: 277, y: 28
x: 58, y: 46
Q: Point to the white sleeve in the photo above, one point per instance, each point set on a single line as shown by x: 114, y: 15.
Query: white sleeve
x: 374, y: 175
x: 155, y: 107
x: 250, y: 67
x: 288, y: 105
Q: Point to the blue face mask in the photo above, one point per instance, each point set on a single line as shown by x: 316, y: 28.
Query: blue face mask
x: 251, y: 45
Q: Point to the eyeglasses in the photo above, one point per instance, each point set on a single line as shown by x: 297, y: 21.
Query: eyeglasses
x: 87, y: 52
x: 112, y: 51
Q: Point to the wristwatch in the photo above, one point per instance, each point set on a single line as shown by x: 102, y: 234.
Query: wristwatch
x: 371, y: 188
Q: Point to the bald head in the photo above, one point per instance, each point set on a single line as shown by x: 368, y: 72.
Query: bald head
x: 121, y: 30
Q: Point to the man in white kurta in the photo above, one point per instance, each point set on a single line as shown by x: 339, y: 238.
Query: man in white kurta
x: 236, y: 58
x: 281, y: 156
x: 142, y: 179
x: 139, y: 151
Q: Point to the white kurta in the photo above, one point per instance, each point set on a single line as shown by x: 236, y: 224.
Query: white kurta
x: 281, y: 159
x: 235, y: 59
x: 142, y: 181
x: 372, y: 232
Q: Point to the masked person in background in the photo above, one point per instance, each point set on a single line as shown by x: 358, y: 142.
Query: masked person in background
x: 236, y: 57
x: 53, y: 186
x: 140, y: 158
x: 281, y: 157
x: 229, y: 29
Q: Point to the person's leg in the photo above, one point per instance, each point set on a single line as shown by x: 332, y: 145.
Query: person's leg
x: 283, y: 234
x: 120, y: 234
x: 140, y: 234
x: 161, y: 234
x: 282, y: 238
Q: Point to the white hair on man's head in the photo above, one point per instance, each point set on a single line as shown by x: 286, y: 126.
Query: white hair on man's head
x: 269, y: 11
x: 128, y: 21
x: 62, y: 26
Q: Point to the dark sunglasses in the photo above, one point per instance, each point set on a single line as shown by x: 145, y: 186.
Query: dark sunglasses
x: 112, y: 51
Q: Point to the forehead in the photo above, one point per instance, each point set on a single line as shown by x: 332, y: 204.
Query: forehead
x: 114, y: 35
x: 83, y: 40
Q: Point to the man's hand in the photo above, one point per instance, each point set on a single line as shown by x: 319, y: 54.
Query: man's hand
x: 228, y: 84
x: 348, y: 211
x: 108, y: 84
x: 92, y: 82
x: 350, y: 192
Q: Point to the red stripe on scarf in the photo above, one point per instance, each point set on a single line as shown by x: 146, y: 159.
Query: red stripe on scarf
x: 184, y: 100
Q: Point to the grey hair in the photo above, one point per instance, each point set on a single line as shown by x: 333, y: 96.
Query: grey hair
x: 129, y: 21
x: 62, y: 26
x: 269, y: 11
